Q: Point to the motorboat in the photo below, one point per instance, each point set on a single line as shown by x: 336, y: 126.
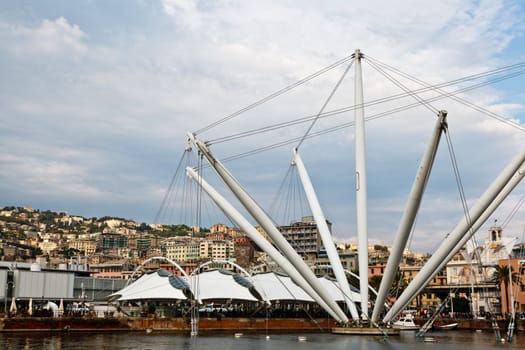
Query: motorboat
x: 405, y: 323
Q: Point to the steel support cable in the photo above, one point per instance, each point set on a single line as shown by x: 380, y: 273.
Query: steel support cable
x: 187, y: 199
x: 349, y: 124
x: 462, y: 100
x: 171, y: 185
x: 332, y: 93
x: 375, y: 116
x: 459, y: 182
x: 429, y: 88
x: 275, y: 94
x: 274, y: 206
x: 278, y: 126
x: 342, y: 110
x: 311, y: 117
x: 459, y: 80
x: 513, y: 212
x: 470, y: 104
x: 403, y: 87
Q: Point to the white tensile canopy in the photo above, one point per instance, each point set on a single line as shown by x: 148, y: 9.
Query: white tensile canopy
x: 332, y: 286
x: 222, y: 285
x: 277, y: 286
x: 217, y: 285
x: 159, y: 285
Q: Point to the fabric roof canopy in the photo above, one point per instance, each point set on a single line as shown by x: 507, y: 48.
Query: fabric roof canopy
x: 280, y: 287
x: 156, y: 285
x: 223, y: 285
x: 220, y: 285
x: 335, y: 292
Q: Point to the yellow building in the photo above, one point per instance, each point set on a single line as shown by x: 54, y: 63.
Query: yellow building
x: 87, y: 246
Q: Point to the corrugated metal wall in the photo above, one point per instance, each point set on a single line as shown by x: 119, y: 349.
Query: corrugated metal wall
x: 43, y: 284
x: 25, y: 284
x: 3, y: 283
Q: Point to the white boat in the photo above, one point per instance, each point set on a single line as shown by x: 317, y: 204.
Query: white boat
x: 405, y: 323
x: 446, y: 327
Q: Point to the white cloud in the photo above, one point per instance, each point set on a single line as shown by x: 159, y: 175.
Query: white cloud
x: 172, y: 6
x: 51, y: 37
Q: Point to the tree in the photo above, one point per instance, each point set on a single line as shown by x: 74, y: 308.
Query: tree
x: 375, y: 281
x: 398, y: 285
x: 144, y: 227
x: 36, y: 252
x: 67, y: 252
x: 502, y: 275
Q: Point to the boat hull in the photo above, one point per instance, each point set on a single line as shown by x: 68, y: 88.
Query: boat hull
x: 445, y: 327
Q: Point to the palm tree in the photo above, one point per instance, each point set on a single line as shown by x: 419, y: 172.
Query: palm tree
x: 502, y: 276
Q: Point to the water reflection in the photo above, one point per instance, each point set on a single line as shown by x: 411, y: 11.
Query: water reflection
x: 456, y: 340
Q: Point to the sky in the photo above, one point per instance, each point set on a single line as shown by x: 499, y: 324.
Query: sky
x: 97, y: 97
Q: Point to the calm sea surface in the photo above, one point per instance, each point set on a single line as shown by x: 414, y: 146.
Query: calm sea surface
x: 440, y: 341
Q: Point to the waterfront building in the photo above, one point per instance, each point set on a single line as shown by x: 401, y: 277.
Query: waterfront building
x: 513, y: 286
x: 22, y: 282
x: 471, y: 271
x: 322, y: 265
x: 114, y: 269
x: 304, y: 237
x: 431, y: 296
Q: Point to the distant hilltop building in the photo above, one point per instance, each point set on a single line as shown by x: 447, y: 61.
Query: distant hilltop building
x: 304, y: 237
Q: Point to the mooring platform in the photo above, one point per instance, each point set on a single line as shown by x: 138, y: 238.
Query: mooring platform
x: 365, y: 331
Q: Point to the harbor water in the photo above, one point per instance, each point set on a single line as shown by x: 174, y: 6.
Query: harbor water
x: 452, y: 340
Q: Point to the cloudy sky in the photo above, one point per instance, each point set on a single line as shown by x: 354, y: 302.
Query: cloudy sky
x: 96, y: 98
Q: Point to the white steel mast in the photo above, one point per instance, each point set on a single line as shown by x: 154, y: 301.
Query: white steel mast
x: 361, y: 195
x: 266, y: 223
x: 324, y: 231
x: 407, y: 221
x: 486, y: 204
x: 257, y: 238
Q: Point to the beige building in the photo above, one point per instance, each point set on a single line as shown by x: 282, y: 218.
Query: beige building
x: 47, y: 246
x: 87, y: 246
x: 304, y: 237
x: 216, y: 250
x: 182, y: 250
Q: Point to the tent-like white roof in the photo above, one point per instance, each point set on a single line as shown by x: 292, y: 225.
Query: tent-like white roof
x: 217, y: 285
x: 332, y: 287
x: 222, y: 285
x: 276, y: 286
x: 157, y: 285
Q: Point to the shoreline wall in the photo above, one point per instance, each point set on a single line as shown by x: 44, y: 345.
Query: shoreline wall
x: 175, y: 325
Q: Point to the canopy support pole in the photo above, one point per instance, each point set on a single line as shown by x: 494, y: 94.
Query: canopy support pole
x: 409, y: 216
x: 324, y: 232
x: 497, y: 191
x: 266, y: 223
